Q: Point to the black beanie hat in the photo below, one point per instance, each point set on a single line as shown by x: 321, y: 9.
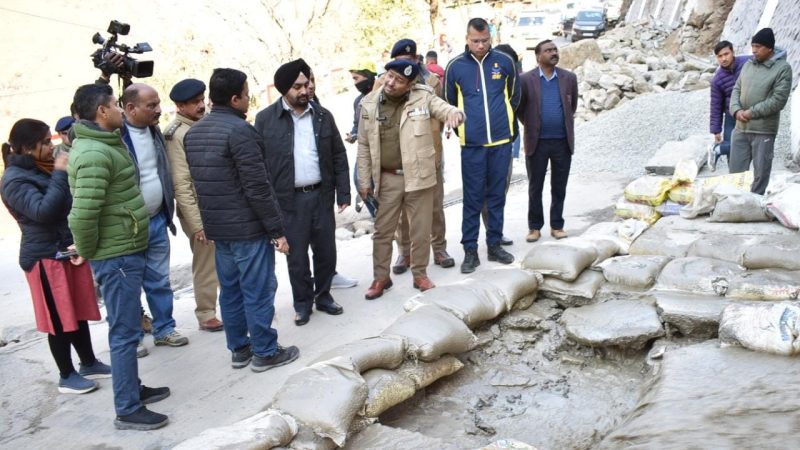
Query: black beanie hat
x: 286, y: 74
x: 765, y: 37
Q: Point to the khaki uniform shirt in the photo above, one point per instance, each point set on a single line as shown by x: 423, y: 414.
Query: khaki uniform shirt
x: 185, y: 196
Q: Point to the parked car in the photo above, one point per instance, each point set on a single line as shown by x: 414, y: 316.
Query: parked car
x: 589, y: 23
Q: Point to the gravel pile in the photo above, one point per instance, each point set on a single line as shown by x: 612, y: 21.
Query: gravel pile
x: 621, y: 140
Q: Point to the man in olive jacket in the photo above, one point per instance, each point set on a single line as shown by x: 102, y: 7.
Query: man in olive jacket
x: 758, y: 97
x: 308, y: 165
x: 109, y: 223
x: 396, y: 151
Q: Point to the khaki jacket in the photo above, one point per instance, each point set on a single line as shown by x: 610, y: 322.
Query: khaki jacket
x: 185, y: 195
x: 416, y: 138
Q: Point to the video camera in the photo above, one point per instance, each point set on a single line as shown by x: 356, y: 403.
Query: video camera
x: 130, y: 67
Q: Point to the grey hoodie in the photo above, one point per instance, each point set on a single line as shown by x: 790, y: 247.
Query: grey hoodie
x: 763, y: 88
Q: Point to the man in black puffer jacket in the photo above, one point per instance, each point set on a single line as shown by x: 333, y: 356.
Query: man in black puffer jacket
x: 241, y: 215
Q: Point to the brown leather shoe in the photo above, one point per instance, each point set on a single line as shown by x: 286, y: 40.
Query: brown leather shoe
x: 558, y: 234
x: 402, y: 264
x: 533, y: 236
x: 212, y: 324
x: 377, y: 287
x: 423, y: 283
x: 443, y: 259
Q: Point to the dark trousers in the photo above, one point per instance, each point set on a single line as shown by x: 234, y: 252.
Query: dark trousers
x: 311, y: 224
x: 483, y: 177
x: 60, y: 342
x: 556, y: 152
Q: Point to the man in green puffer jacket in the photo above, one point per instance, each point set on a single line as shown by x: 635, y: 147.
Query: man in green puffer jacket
x: 109, y: 223
x: 757, y: 99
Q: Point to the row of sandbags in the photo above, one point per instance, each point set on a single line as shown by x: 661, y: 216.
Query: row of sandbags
x: 767, y: 327
x: 348, y: 387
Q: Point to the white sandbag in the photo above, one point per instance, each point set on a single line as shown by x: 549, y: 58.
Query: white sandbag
x: 772, y: 252
x: 785, y: 206
x: 264, y: 430
x: 515, y: 283
x: 734, y: 205
x: 472, y: 301
x: 324, y: 397
x: 605, y: 247
x: 667, y: 157
x: 432, y: 332
x: 765, y: 284
x: 698, y: 275
x: 634, y: 271
x: 559, y: 259
x: 726, y: 247
x: 648, y: 190
x: 771, y: 328
x: 387, y: 388
x: 625, y: 209
x: 581, y: 291
x: 661, y: 242
x: 617, y: 232
x: 685, y: 172
x: 385, y: 352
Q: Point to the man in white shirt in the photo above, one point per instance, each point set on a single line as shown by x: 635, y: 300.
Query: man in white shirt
x: 308, y: 171
x: 146, y: 144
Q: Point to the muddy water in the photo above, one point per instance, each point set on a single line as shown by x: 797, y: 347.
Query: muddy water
x: 526, y: 382
x: 706, y: 397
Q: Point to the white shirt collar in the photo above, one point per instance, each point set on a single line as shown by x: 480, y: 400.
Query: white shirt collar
x: 541, y: 74
x: 286, y: 106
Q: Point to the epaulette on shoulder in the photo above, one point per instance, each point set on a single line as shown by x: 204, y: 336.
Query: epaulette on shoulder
x: 171, y: 129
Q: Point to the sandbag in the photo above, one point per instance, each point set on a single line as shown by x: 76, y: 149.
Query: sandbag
x: 472, y: 301
x: 620, y: 233
x: 581, y: 291
x: 634, y: 271
x: 606, y: 248
x: 765, y: 284
x: 324, y: 397
x: 648, y: 190
x: 734, y: 205
x: 785, y: 206
x: 559, y: 259
x: 685, y: 172
x: 772, y: 252
x: 684, y: 194
x: 431, y: 332
x: 513, y: 282
x: 629, y: 210
x: 667, y: 157
x: 385, y: 352
x: 726, y: 247
x: 264, y: 430
x: 698, y: 275
x: 771, y: 328
x: 669, y: 208
x: 387, y: 388
x: 659, y: 242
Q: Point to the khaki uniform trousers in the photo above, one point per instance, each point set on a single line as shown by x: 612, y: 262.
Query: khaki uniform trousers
x: 204, y: 277
x: 438, y: 230
x: 418, y: 206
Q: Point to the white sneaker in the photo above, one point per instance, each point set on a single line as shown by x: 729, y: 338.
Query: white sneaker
x: 711, y: 153
x: 343, y: 282
x: 141, y: 350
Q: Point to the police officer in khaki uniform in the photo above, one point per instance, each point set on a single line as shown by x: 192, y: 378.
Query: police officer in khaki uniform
x: 396, y: 152
x: 189, y: 98
x: 406, y: 49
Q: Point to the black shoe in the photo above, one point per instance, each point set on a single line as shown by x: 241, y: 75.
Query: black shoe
x: 142, y: 420
x: 497, y: 253
x: 241, y: 357
x: 331, y: 308
x: 506, y: 241
x: 302, y: 317
x: 282, y: 357
x: 149, y: 395
x: 471, y: 260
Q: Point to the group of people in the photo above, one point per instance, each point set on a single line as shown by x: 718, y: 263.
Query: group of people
x: 242, y: 191
x: 747, y: 96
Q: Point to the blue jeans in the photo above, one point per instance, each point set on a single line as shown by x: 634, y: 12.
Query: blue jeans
x: 483, y: 172
x: 729, y: 123
x: 246, y: 272
x: 120, y: 281
x: 157, y: 289
x: 515, y: 147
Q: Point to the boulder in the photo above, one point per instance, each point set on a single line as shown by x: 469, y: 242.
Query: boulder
x: 579, y: 52
x: 607, y: 82
x: 623, y: 82
x: 642, y: 87
x: 692, y: 315
x: 611, y: 101
x: 622, y: 323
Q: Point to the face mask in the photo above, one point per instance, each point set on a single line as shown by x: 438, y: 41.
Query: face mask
x: 365, y: 86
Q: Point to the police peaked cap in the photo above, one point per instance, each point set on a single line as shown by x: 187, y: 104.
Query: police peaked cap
x: 404, y: 47
x: 187, y: 89
x: 405, y: 68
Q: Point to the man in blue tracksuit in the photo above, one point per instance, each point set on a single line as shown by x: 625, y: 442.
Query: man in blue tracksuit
x: 483, y: 83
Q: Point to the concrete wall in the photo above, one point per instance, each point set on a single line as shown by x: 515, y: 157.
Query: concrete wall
x: 668, y: 12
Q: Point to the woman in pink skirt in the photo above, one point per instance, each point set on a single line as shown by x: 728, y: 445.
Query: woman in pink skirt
x: 34, y: 189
